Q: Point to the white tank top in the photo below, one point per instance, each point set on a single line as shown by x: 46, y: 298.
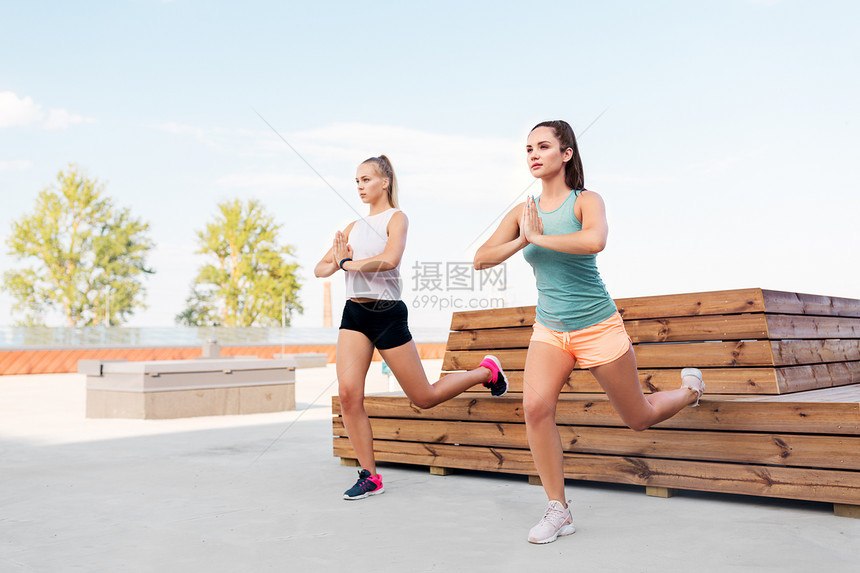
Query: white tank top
x: 367, y: 239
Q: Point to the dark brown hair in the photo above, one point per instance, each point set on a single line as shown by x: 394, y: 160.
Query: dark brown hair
x: 573, y: 175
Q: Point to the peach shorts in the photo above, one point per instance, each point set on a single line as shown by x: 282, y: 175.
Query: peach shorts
x: 593, y: 346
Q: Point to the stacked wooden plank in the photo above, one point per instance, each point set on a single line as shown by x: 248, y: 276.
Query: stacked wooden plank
x: 781, y: 416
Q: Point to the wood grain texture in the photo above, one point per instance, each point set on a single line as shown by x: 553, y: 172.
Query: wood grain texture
x: 780, y: 449
x: 698, y: 354
x: 668, y: 355
x: 781, y: 415
x: 830, y: 486
x: 779, y: 302
x: 728, y: 302
x: 814, y: 376
x: 828, y: 411
x: 764, y: 380
x: 761, y: 380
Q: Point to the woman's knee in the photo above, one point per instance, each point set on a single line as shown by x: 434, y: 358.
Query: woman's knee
x: 636, y: 423
x: 637, y: 417
x: 537, y: 409
x: 350, y: 398
x: 423, y: 400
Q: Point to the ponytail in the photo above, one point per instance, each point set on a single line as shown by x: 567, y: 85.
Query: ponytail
x: 573, y: 174
x: 385, y: 169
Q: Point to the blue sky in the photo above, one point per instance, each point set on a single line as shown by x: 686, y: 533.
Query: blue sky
x: 725, y: 147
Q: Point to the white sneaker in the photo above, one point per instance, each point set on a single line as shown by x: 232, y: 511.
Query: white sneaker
x: 692, y: 378
x: 557, y: 520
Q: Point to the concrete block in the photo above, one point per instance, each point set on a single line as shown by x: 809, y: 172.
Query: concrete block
x: 187, y: 388
x: 306, y: 359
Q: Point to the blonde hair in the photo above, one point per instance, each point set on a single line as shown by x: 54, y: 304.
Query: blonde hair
x: 384, y: 168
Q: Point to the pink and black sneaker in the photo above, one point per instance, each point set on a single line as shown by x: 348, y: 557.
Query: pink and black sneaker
x: 368, y: 484
x: 498, y: 382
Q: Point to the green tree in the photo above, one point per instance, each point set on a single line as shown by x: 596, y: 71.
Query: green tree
x: 81, y: 255
x: 248, y: 278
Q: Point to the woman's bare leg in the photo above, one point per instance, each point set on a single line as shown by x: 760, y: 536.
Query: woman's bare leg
x: 354, y: 352
x: 406, y: 366
x: 620, y: 381
x: 547, y: 369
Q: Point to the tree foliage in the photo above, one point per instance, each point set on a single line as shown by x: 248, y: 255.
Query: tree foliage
x: 249, y: 276
x: 81, y: 255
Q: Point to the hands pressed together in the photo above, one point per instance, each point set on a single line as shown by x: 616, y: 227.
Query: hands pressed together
x: 531, y: 225
x: 340, y: 249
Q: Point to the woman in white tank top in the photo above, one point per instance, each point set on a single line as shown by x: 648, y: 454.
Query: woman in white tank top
x: 369, y: 252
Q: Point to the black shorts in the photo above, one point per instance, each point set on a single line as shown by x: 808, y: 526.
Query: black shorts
x: 384, y: 322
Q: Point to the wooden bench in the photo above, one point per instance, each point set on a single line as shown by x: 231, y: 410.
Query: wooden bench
x: 780, y: 418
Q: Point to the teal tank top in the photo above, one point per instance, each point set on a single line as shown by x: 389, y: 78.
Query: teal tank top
x: 571, y: 294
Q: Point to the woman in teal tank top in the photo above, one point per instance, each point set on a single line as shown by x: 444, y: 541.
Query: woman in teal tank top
x: 560, y: 234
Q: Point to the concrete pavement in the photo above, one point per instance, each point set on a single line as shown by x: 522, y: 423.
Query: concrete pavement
x: 263, y: 492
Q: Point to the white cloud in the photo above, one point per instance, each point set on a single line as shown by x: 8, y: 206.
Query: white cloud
x: 15, y: 165
x: 446, y: 167
x: 618, y: 179
x: 201, y: 134
x: 17, y: 111
x: 61, y: 119
x: 255, y: 180
x: 269, y: 181
x: 430, y: 165
x: 240, y: 142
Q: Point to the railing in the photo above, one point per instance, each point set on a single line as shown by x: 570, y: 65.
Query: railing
x: 18, y: 338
